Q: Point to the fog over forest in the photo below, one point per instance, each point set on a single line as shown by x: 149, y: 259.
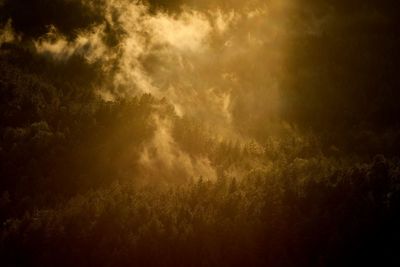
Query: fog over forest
x: 199, y: 133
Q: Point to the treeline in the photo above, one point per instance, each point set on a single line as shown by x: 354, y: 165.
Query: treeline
x: 292, y: 216
x: 59, y: 138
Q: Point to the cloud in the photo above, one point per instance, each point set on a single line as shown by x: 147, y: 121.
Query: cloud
x: 88, y: 43
x: 34, y: 16
x: 7, y: 34
x: 162, y: 158
x: 187, y: 31
x: 214, y: 65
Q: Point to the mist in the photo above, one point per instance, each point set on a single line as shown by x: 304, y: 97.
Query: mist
x: 214, y: 65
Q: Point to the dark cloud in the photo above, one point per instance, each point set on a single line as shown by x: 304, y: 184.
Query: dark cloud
x: 32, y: 17
x: 342, y: 65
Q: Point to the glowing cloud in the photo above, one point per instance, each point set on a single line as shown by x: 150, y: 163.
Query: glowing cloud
x: 216, y: 65
x: 7, y: 34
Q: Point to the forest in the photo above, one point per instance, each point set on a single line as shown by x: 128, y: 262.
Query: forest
x: 199, y: 133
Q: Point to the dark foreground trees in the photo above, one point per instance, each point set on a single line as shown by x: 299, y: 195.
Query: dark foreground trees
x: 347, y: 218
